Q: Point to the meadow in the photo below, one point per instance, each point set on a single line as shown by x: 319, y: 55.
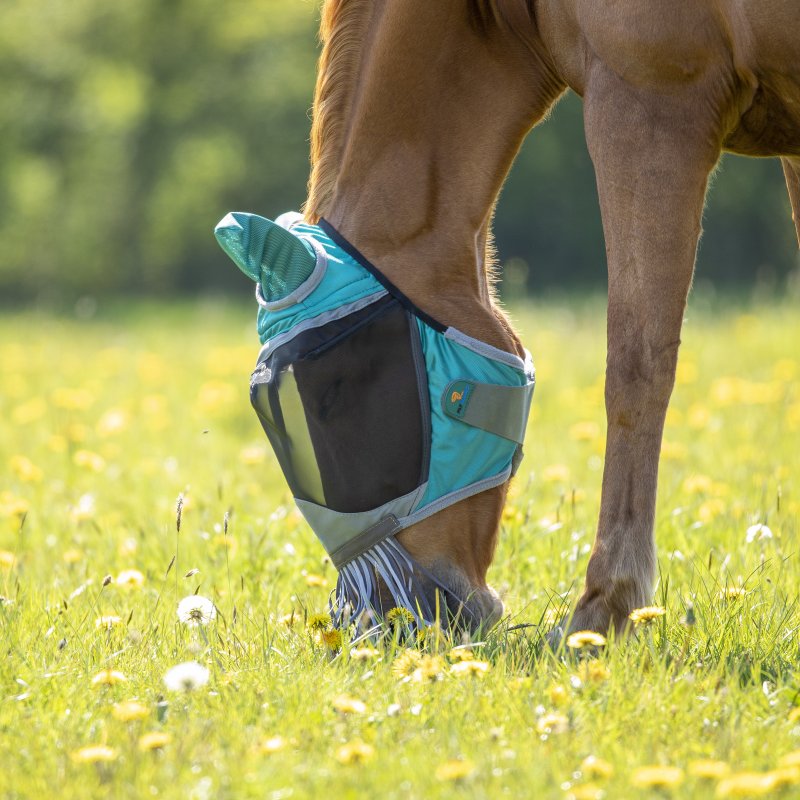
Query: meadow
x: 133, y: 474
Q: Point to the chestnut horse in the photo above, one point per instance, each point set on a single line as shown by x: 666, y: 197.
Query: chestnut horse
x: 419, y: 111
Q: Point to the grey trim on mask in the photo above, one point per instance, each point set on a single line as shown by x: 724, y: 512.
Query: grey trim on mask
x: 454, y: 497
x: 289, y: 219
x: 499, y: 409
x: 489, y: 351
x: 336, y: 529
x: 318, y: 321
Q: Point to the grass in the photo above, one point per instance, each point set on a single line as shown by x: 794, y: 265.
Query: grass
x: 104, y: 423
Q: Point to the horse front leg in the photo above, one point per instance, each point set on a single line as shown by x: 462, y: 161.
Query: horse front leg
x: 652, y: 158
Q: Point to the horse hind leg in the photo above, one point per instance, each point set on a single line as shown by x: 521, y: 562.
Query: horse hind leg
x: 652, y: 169
x: 791, y: 169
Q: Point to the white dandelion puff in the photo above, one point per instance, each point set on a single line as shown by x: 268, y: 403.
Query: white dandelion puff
x: 186, y: 677
x: 759, y: 531
x: 196, y: 610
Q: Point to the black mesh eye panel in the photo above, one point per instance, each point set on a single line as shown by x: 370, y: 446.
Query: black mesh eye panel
x: 358, y: 384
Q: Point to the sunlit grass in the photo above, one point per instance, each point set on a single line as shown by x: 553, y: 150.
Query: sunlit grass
x: 105, y: 424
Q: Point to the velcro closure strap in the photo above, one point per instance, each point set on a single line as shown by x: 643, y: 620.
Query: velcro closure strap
x: 496, y: 408
x: 353, y: 548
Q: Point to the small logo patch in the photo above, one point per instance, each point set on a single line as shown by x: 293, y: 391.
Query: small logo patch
x: 457, y: 397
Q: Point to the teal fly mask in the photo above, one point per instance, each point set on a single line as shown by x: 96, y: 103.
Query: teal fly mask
x: 378, y: 414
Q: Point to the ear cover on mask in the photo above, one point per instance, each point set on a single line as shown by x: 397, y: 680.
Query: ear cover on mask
x: 272, y: 256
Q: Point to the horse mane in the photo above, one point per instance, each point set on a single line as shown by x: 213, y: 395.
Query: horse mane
x: 342, y: 32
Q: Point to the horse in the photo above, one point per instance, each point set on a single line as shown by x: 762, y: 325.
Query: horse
x: 419, y: 111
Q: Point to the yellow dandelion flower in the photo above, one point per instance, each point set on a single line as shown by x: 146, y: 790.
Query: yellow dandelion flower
x: 405, y: 664
x: 558, y: 695
x: 594, y: 767
x: 586, y: 791
x: 332, y: 639
x: 784, y: 776
x: 316, y: 580
x: 430, y: 668
x: 646, y: 614
x: 345, y: 704
x: 552, y: 723
x: 12, y: 506
x: 698, y: 484
x: 154, y: 740
x: 582, y: 639
x: 711, y: 509
x: 465, y: 669
x: 130, y: 711
x: 108, y: 622
x: 556, y: 473
x: 72, y: 399
x: 652, y: 777
x: 794, y: 714
x: 25, y: 469
x: 114, y: 421
x: 94, y: 753
x: 745, y: 784
x: 708, y: 769
x: 791, y: 759
x: 354, y: 752
x: 593, y: 671
x: 72, y: 556
x: 461, y: 654
x: 584, y: 431
x: 271, y: 744
x: 363, y: 653
x: 230, y: 543
x: 92, y: 461
x: 732, y: 593
x: 456, y: 769
x: 318, y: 622
x: 7, y: 559
x: 108, y: 677
x: 130, y: 579
x: 399, y: 616
x: 254, y: 454
x: 288, y: 619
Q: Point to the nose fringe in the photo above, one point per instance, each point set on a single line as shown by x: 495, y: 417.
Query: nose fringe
x: 389, y: 566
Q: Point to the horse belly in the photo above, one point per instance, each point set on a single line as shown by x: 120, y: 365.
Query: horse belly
x: 767, y: 36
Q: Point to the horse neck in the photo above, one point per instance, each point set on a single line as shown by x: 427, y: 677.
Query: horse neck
x: 435, y: 117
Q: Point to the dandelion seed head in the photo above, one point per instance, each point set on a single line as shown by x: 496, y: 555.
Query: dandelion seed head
x: 272, y: 744
x: 186, y: 677
x: 108, y: 622
x: 196, y: 610
x: 130, y: 579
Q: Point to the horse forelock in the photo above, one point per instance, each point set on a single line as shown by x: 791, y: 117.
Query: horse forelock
x: 342, y: 31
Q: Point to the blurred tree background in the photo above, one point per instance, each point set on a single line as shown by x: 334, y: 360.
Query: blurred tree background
x: 129, y: 129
